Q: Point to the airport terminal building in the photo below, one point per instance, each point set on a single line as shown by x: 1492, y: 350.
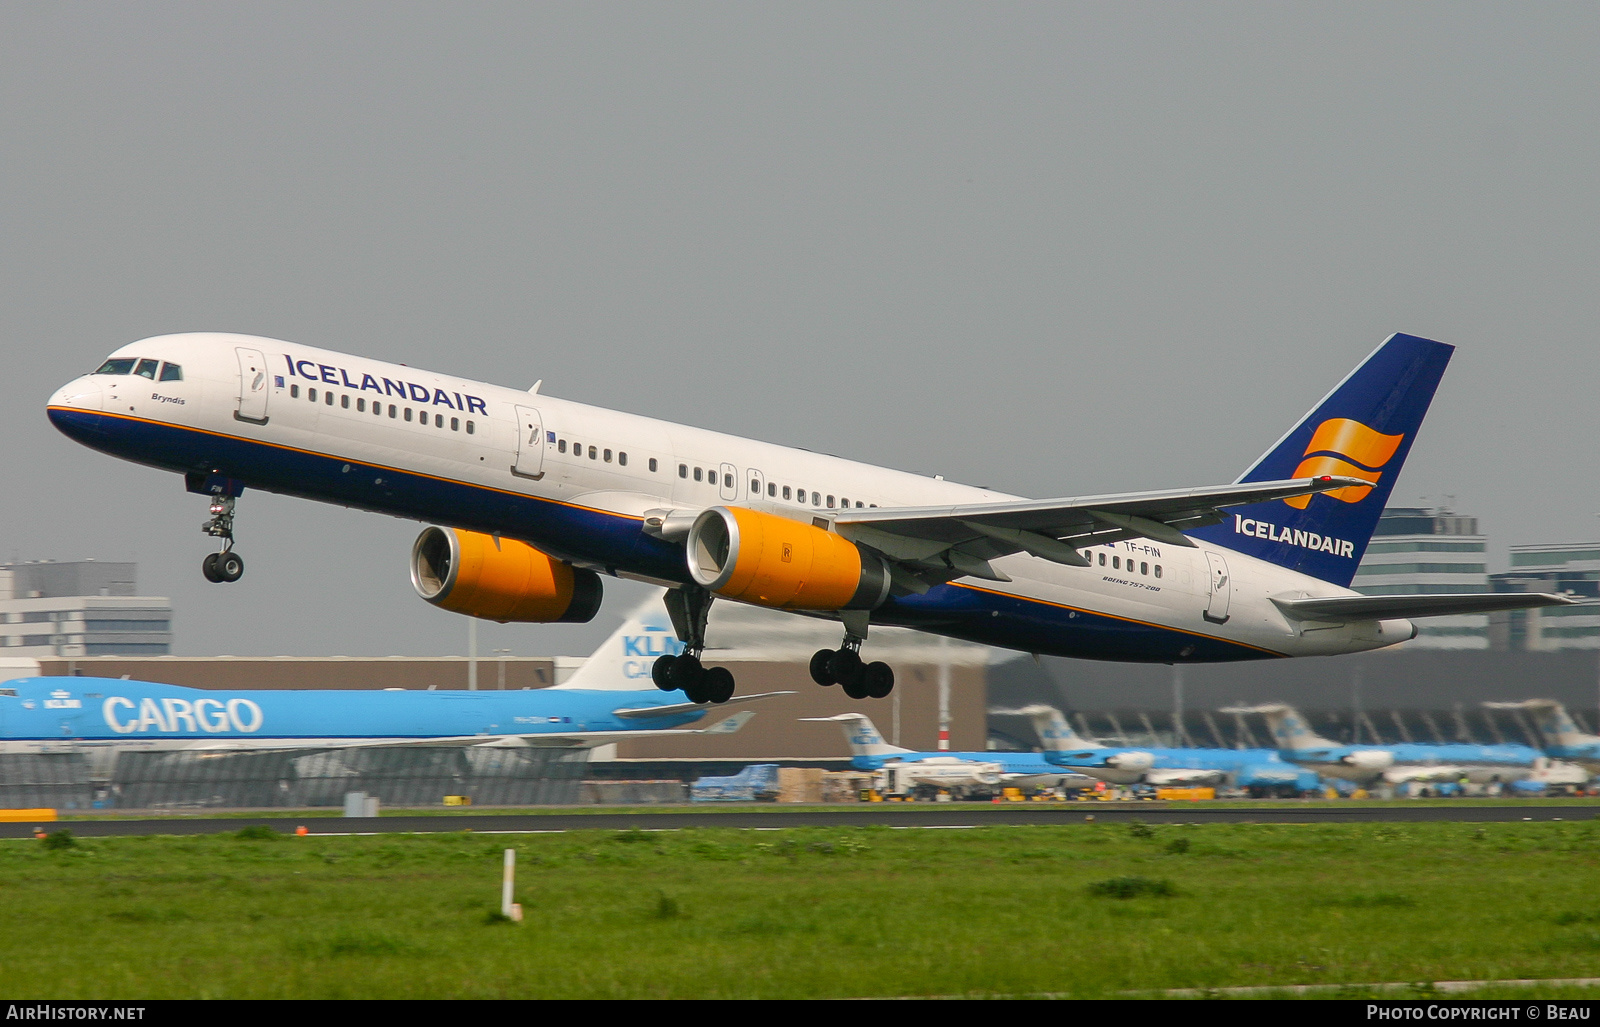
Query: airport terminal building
x: 83, y: 608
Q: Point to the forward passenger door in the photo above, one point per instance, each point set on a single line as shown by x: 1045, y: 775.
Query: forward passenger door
x: 253, y: 389
x: 529, y: 462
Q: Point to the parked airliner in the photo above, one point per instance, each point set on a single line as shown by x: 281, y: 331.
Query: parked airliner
x: 1260, y: 770
x: 1407, y: 761
x: 600, y: 704
x: 1563, y: 739
x: 532, y: 498
x: 969, y: 770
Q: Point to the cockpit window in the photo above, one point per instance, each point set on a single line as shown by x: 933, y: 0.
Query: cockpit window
x: 147, y: 369
x: 171, y: 373
x: 117, y: 365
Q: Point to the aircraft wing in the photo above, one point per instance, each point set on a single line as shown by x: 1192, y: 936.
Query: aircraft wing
x: 1441, y: 605
x: 555, y: 740
x: 938, y: 543
x: 585, y: 739
x: 685, y: 707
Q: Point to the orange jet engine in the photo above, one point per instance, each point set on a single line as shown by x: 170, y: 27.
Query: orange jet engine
x: 500, y: 579
x: 768, y: 560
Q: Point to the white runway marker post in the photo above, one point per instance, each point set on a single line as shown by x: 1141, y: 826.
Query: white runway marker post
x: 510, y: 910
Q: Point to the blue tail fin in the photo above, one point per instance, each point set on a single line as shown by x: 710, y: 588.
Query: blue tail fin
x: 1363, y: 429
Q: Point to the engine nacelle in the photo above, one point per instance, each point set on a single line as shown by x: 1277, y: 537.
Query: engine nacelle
x: 773, y: 561
x: 1368, y: 759
x: 500, y: 579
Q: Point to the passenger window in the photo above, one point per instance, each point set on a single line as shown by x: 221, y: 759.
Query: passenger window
x: 1102, y: 559
x: 327, y: 397
x: 311, y: 394
x: 652, y: 465
x: 830, y: 502
x: 1144, y: 568
x: 118, y: 366
x: 147, y: 369
x: 727, y: 481
x: 394, y: 411
x: 561, y: 447
x: 361, y: 405
x: 755, y: 487
x: 816, y: 499
x: 607, y: 456
x: 844, y: 504
x: 1158, y: 570
x: 171, y: 373
x: 622, y: 459
x: 294, y: 392
x: 592, y: 452
x: 438, y: 420
x: 800, y: 495
x: 469, y: 427
x: 786, y: 492
x: 455, y: 424
x: 772, y: 488
x: 699, y: 475
x: 408, y: 413
x: 344, y: 402
x: 683, y: 470
x: 1116, y: 563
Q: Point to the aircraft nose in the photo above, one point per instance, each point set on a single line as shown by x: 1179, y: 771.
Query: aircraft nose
x: 79, y: 394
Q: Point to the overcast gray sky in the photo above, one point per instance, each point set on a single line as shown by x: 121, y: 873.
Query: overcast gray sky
x: 1058, y: 249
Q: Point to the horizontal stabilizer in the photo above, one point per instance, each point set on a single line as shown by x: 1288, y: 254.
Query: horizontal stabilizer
x: 1441, y: 605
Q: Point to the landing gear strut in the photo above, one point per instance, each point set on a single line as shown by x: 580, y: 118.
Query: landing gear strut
x: 690, y: 607
x: 843, y: 667
x: 226, y: 565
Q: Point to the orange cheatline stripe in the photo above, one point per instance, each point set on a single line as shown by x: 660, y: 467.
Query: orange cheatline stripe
x: 1112, y: 616
x: 363, y: 463
x: 575, y: 506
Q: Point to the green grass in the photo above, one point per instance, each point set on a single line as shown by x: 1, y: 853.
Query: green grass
x: 1081, y: 909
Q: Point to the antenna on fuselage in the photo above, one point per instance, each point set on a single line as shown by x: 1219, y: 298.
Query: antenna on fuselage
x: 533, y: 390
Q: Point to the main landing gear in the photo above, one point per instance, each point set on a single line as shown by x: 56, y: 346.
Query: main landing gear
x: 226, y: 565
x: 843, y: 667
x: 689, y: 608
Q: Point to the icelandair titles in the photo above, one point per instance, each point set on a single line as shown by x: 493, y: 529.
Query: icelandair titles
x: 390, y: 387
x: 1294, y: 537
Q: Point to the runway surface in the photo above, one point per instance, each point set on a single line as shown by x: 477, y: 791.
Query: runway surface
x: 930, y: 815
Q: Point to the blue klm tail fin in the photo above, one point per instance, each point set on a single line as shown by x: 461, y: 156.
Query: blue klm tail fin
x: 1362, y: 429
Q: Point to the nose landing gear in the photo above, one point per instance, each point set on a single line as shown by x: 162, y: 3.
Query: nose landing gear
x: 226, y: 565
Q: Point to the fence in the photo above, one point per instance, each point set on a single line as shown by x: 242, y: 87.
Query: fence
x: 413, y: 776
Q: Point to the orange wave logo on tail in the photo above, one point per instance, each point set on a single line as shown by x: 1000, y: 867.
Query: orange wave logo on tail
x: 1349, y: 449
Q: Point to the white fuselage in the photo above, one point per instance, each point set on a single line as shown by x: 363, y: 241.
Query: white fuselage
x: 577, y: 480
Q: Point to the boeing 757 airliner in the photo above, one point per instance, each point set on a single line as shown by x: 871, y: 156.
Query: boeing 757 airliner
x: 531, y: 499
